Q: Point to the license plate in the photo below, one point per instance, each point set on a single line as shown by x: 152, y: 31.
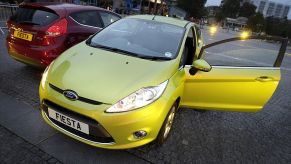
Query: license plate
x: 23, y: 35
x: 68, y: 121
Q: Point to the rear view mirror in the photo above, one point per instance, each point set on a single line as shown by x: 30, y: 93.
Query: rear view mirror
x: 199, y: 65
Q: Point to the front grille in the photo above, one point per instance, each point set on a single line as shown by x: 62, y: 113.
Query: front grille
x: 96, y: 132
x: 80, y: 98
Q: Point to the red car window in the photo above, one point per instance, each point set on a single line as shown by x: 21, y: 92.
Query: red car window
x: 34, y: 16
x: 108, y: 18
x: 89, y: 18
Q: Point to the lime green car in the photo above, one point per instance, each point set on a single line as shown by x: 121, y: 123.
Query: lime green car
x: 122, y: 87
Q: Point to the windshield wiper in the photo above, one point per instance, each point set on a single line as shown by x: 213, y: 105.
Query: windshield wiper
x: 154, y: 57
x: 115, y: 50
x: 105, y: 47
x: 28, y: 22
x: 130, y: 53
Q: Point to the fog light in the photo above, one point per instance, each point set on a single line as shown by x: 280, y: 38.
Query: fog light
x: 139, y: 134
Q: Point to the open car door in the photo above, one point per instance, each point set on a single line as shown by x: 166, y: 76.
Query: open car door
x: 240, y: 82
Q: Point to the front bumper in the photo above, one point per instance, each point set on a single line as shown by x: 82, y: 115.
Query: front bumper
x: 97, y: 134
x: 119, y: 126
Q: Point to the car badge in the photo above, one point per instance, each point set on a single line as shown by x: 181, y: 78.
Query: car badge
x: 71, y: 95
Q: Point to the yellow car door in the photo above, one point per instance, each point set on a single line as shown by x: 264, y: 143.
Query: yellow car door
x: 233, y: 88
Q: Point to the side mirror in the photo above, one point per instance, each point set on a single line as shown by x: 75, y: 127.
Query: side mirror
x: 199, y: 65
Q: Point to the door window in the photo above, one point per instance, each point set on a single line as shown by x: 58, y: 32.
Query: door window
x: 199, y: 36
x: 108, y: 18
x: 189, y: 49
x: 243, y: 53
x: 87, y: 18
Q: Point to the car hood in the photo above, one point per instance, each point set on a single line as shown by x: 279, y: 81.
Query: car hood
x: 106, y: 76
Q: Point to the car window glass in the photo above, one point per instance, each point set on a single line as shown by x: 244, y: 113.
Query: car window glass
x: 108, y: 18
x: 34, y: 16
x: 188, y: 52
x: 144, y: 37
x: 89, y: 18
x: 245, y: 53
x: 199, y: 35
x: 190, y: 34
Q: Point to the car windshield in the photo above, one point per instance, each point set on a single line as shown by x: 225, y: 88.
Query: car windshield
x: 141, y: 38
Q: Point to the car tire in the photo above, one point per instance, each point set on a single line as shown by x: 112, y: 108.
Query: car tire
x: 167, y: 126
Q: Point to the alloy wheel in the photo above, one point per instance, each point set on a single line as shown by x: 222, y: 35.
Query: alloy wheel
x: 169, y: 122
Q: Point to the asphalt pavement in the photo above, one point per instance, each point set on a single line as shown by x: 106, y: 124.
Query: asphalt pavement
x: 197, y: 137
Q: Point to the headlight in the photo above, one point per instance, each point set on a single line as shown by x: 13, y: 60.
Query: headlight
x: 244, y: 34
x: 213, y: 30
x: 44, y: 76
x: 138, y: 99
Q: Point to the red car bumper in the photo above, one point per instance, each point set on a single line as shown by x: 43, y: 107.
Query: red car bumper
x: 39, y: 56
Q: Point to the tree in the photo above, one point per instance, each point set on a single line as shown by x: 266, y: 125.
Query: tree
x: 289, y: 30
x: 256, y: 22
x: 284, y: 29
x: 277, y: 27
x: 219, y: 16
x: 195, y: 8
x: 247, y: 10
x: 231, y: 8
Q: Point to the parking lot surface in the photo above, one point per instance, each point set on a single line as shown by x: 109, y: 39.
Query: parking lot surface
x: 197, y: 137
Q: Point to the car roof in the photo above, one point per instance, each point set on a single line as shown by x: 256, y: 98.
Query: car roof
x: 59, y: 7
x: 163, y: 19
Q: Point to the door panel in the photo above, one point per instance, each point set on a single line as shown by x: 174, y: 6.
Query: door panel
x: 244, y: 89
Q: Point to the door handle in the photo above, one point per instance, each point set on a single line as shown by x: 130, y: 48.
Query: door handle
x: 264, y: 78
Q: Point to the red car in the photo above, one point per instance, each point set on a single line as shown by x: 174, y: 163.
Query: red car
x: 40, y: 32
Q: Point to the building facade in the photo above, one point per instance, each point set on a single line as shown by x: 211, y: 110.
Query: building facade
x: 270, y: 8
